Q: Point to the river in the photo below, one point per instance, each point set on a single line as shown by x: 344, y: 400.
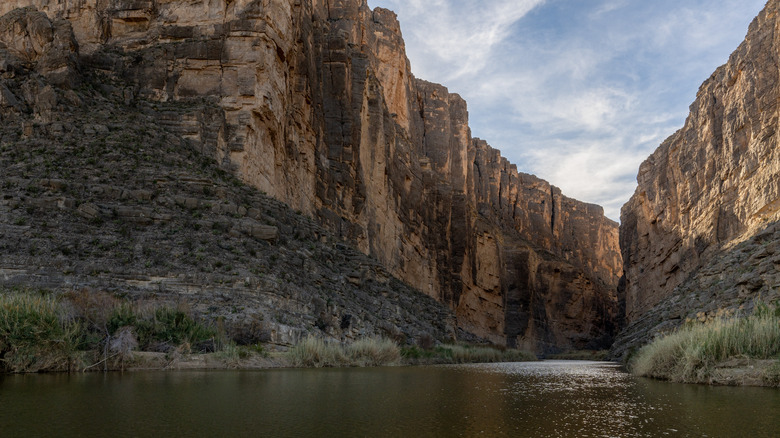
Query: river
x: 537, y: 399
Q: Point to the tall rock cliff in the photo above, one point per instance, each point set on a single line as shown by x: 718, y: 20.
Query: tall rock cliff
x: 320, y: 110
x: 698, y: 236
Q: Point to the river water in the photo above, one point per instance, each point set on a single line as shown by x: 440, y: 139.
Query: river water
x: 539, y: 399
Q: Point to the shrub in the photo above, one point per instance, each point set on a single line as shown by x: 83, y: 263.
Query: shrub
x: 477, y: 354
x: 167, y: 326
x: 453, y: 353
x: 34, y: 335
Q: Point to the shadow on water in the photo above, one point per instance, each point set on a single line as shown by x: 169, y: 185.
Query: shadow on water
x: 547, y: 399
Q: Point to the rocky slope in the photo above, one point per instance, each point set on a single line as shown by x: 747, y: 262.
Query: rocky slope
x: 99, y: 194
x: 318, y: 108
x: 698, y: 235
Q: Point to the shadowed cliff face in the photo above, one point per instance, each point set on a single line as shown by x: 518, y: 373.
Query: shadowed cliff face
x: 712, y: 182
x: 711, y: 185
x: 321, y: 111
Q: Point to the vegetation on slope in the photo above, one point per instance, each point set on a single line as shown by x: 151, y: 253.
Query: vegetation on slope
x: 80, y: 331
x: 40, y: 332
x: 125, y: 196
x: 692, y: 353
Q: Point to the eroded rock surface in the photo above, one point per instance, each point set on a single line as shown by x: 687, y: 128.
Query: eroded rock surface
x: 107, y: 196
x: 319, y: 109
x: 709, y: 197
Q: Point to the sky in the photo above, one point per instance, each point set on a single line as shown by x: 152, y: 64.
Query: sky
x: 578, y: 92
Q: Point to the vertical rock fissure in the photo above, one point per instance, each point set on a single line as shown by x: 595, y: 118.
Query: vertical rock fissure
x: 552, y: 209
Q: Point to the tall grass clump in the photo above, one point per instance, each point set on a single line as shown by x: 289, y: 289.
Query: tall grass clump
x: 375, y: 351
x: 690, y: 353
x: 315, y: 352
x: 34, y: 335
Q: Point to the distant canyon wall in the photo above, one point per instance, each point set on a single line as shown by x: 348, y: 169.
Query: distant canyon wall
x: 320, y: 110
x: 712, y: 185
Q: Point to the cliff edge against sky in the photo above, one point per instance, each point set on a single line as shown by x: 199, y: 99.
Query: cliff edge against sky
x: 316, y: 106
x: 699, y: 237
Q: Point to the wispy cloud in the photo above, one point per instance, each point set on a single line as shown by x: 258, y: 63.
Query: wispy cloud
x: 579, y: 93
x: 455, y: 38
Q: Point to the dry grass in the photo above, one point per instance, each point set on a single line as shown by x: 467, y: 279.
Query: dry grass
x: 373, y: 352
x: 691, y: 353
x: 315, y: 352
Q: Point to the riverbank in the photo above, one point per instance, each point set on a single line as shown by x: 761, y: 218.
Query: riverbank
x: 40, y: 332
x: 249, y: 358
x: 735, y: 351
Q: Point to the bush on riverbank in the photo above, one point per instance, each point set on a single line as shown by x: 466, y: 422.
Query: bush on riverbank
x: 159, y: 328
x: 451, y: 353
x: 39, y: 332
x: 691, y: 353
x: 315, y: 352
x: 34, y: 335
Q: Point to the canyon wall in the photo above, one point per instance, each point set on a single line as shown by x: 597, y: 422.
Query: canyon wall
x: 321, y: 111
x: 709, y: 196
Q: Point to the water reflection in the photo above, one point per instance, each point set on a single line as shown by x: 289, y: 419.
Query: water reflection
x: 549, y: 399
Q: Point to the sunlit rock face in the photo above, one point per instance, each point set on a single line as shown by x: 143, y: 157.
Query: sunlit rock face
x: 321, y: 111
x: 712, y: 185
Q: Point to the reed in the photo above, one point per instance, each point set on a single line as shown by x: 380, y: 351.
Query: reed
x: 690, y: 353
x: 373, y: 351
x: 455, y: 353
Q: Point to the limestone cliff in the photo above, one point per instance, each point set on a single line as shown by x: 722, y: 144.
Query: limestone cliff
x: 708, y: 192
x: 98, y: 194
x: 320, y: 110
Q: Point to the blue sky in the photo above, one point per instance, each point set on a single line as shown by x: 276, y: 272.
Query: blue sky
x: 578, y: 92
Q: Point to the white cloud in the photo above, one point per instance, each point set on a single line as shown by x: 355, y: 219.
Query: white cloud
x: 578, y: 93
x: 455, y: 38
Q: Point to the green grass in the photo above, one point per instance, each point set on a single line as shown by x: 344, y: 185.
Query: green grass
x: 34, y: 335
x: 39, y: 332
x: 163, y: 325
x: 452, y: 353
x: 690, y: 353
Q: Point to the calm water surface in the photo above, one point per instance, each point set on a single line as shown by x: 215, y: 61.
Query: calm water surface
x: 546, y: 399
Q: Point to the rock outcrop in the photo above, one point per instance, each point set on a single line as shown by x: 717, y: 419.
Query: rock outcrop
x: 709, y: 197
x: 319, y: 109
x: 103, y: 196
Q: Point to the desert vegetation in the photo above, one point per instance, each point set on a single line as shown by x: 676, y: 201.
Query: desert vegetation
x: 373, y: 351
x: 89, y: 331
x: 378, y: 351
x: 80, y: 331
x: 458, y: 354
x: 34, y: 336
x: 694, y: 351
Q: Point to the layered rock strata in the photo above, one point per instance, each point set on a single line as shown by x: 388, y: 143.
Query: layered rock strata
x: 102, y: 196
x: 711, y: 185
x: 319, y: 109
